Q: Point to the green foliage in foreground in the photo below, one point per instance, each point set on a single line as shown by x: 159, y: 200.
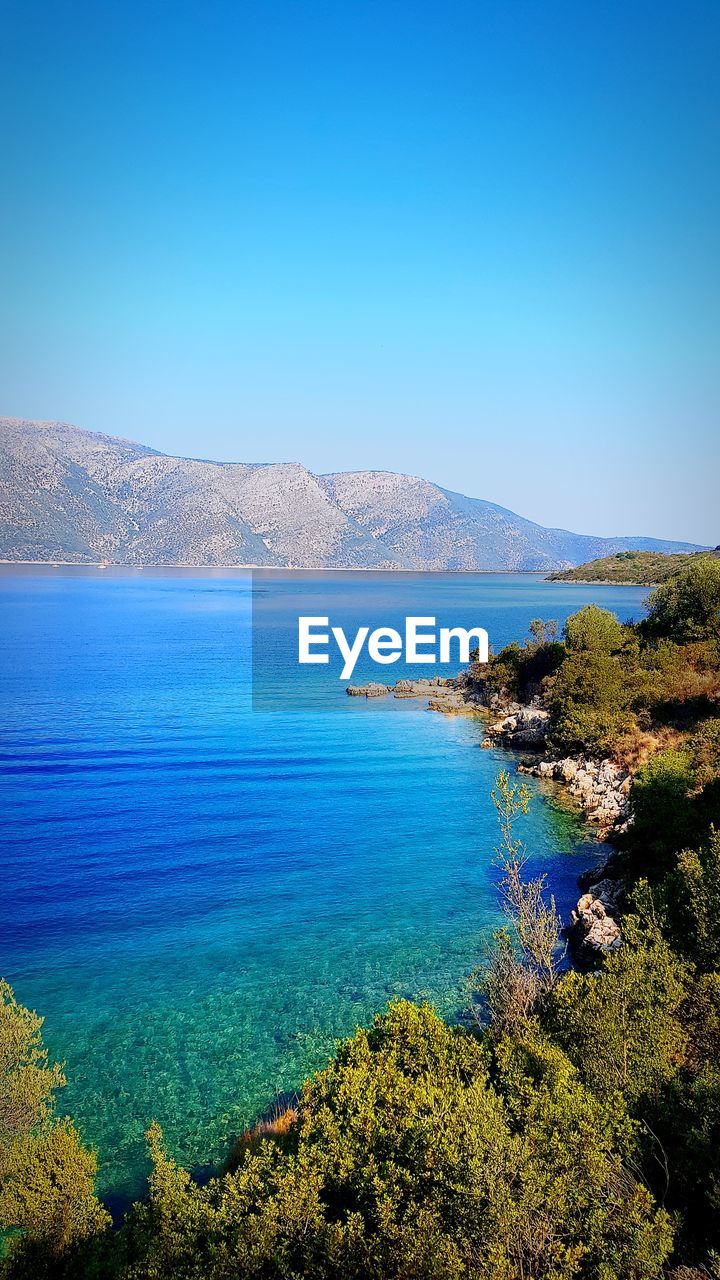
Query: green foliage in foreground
x: 420, y: 1151
x: 639, y: 568
x: 420, y: 1154
x: 47, y: 1197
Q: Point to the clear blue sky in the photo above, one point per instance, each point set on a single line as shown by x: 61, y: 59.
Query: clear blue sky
x: 475, y: 241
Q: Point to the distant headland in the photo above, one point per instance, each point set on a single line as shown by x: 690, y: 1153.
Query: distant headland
x: 633, y: 568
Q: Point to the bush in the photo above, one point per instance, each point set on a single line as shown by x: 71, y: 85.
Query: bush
x: 411, y: 1161
x: 675, y: 803
x: 28, y: 1082
x: 47, y: 1198
x: 518, y: 671
x: 704, y: 748
x: 662, y: 813
x: 593, y: 630
x: 621, y: 1027
x: 682, y: 681
x: 687, y: 607
x: 692, y: 903
x: 589, y: 703
x: 591, y: 696
x: 687, y: 1124
x: 48, y: 1190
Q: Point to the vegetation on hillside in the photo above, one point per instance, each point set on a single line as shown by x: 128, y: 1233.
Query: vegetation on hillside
x: 622, y: 689
x: 569, y: 1131
x: 642, y: 568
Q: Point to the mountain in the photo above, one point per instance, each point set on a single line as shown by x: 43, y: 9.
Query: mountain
x: 73, y: 495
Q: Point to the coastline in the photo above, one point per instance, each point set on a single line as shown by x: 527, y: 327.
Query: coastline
x: 105, y: 565
x: 596, y: 582
x: 596, y: 788
x: 262, y: 568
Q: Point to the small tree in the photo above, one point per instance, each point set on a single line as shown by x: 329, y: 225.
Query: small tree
x: 526, y: 953
x: 693, y: 903
x: 593, y: 630
x: 543, y: 632
x: 591, y: 696
x: 687, y: 607
x: 663, y: 813
x: 28, y: 1082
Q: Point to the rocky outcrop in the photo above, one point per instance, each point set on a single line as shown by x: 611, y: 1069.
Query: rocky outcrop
x: 371, y: 690
x: 601, y: 788
x: 445, y: 694
x: 593, y: 932
x: 450, y: 702
x: 423, y: 688
x: 522, y: 727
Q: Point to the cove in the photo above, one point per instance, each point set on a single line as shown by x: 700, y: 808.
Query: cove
x: 200, y: 898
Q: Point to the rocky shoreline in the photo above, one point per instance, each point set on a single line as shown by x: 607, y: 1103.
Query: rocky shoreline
x: 450, y: 695
x: 600, y: 787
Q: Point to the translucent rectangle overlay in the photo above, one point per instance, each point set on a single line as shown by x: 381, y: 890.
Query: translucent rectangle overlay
x: 314, y: 633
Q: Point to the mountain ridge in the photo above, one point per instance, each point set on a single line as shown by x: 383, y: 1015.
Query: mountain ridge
x: 71, y: 495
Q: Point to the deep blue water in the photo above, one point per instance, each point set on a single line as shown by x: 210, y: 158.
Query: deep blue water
x: 199, y: 897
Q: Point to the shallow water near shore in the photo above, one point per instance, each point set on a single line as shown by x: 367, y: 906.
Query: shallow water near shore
x: 200, y: 898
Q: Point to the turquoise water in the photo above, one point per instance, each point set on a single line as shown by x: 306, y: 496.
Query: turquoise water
x: 200, y: 898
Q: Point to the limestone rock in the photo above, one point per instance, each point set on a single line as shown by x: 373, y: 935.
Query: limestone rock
x: 74, y: 495
x: 371, y: 690
x: 593, y: 931
x: 601, y: 788
x: 521, y: 727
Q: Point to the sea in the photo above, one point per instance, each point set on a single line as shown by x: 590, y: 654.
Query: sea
x: 202, y: 891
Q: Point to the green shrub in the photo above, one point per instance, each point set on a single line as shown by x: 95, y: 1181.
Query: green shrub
x: 686, y: 1124
x: 518, y: 671
x: 589, y: 703
x: 687, y: 607
x: 675, y: 803
x: 47, y: 1199
x: 419, y: 1157
x: 691, y: 894
x: 621, y: 1027
x: 592, y: 695
x: 704, y: 748
x: 662, y: 811
x: 593, y: 630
